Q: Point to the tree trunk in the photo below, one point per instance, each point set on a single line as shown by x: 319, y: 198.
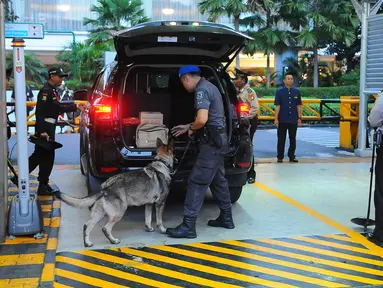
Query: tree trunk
x: 268, y: 71
x: 236, y: 23
x: 316, y: 68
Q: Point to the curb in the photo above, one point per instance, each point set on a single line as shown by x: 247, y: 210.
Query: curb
x: 339, y: 160
x: 28, y: 261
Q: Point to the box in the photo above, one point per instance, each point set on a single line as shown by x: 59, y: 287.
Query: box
x: 151, y: 118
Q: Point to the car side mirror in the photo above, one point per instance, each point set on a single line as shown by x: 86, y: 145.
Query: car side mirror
x: 81, y: 95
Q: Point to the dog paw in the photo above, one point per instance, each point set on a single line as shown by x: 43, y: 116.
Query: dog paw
x: 115, y: 241
x: 162, y: 229
x: 88, y: 244
x: 149, y: 229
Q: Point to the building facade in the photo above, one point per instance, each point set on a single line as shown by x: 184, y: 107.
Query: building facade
x: 70, y: 14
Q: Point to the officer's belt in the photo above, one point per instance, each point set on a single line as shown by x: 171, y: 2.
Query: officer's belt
x: 50, y: 120
x: 218, y: 130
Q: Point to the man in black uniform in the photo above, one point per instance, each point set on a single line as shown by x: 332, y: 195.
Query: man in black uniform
x: 376, y: 121
x: 210, y: 129
x: 47, y: 111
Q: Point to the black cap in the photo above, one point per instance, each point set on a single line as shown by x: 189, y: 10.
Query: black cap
x: 57, y: 71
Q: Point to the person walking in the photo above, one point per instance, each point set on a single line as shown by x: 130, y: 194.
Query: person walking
x: 288, y: 116
x: 48, y: 109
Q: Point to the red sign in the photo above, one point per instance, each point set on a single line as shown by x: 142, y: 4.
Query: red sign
x: 19, y: 69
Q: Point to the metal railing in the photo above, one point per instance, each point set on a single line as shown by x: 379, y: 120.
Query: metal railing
x: 315, y: 107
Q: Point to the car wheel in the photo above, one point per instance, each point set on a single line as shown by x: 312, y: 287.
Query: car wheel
x: 235, y: 193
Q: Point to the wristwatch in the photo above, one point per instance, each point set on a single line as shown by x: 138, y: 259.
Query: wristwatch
x: 190, y: 128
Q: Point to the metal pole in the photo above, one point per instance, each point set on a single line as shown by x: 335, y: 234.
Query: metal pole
x: 363, y: 106
x: 3, y: 133
x: 21, y: 124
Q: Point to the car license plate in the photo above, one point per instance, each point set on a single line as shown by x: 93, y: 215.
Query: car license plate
x: 166, y: 39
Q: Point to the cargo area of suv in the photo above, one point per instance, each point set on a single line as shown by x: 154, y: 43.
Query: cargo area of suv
x: 155, y: 89
x: 144, y: 78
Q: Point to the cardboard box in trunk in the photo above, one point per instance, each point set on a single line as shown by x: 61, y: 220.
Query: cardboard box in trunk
x: 151, y: 118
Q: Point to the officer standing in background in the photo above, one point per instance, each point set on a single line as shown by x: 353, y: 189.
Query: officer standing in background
x: 210, y: 129
x: 248, y: 95
x: 288, y: 116
x: 48, y: 109
x: 376, y: 121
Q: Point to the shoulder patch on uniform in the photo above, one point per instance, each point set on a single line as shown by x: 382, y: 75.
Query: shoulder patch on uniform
x: 199, y: 94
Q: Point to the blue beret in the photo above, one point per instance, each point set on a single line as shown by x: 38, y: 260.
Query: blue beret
x: 188, y: 69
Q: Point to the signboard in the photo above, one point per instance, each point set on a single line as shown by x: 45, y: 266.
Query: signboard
x: 24, y: 30
x: 374, y: 73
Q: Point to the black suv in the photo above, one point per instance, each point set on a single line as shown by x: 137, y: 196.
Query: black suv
x: 144, y: 77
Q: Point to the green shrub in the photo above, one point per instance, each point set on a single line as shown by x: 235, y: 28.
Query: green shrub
x: 316, y: 93
x: 77, y: 85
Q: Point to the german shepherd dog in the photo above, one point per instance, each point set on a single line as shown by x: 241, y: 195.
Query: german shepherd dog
x: 146, y: 186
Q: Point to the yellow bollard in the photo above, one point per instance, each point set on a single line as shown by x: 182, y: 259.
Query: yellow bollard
x: 348, y: 129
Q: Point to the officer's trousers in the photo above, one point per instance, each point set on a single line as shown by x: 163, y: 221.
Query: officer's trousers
x: 208, y: 171
x: 378, y: 196
x: 253, y: 128
x: 282, y: 133
x: 43, y: 158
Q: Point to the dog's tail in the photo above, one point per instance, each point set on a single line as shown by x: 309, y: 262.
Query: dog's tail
x: 79, y: 202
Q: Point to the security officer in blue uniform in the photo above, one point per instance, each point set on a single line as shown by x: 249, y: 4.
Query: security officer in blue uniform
x: 48, y: 109
x: 210, y: 129
x: 288, y: 116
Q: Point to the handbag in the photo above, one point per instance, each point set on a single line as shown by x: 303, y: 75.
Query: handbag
x: 147, y: 134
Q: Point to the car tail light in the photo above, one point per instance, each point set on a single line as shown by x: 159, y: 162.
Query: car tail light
x: 243, y: 110
x: 103, y: 109
x: 108, y: 169
x: 244, y: 164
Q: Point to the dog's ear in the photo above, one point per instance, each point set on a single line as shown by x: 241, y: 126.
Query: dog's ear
x: 171, y: 144
x: 159, y: 142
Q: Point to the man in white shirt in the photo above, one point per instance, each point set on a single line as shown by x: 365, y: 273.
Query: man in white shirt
x: 248, y: 95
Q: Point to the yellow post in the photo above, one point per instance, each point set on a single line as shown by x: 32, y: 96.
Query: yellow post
x: 348, y: 129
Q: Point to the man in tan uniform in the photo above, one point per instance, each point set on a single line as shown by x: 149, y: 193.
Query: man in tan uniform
x: 248, y: 95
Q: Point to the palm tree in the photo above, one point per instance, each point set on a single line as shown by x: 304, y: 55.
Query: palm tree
x: 268, y: 37
x: 323, y: 22
x: 218, y: 8
x: 34, y: 70
x: 112, y: 16
x: 89, y: 60
x: 8, y: 11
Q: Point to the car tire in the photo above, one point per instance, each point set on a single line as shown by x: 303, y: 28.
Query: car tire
x: 93, y: 183
x: 235, y: 193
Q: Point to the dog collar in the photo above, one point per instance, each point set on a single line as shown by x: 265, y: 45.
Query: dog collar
x: 166, y: 164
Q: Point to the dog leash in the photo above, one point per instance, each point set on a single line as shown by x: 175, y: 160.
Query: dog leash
x: 183, y: 156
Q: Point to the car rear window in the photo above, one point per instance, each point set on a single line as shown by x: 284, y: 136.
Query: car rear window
x: 148, y: 82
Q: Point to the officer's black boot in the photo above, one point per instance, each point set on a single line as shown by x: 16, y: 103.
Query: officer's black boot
x: 185, y: 230
x: 45, y: 189
x: 224, y: 220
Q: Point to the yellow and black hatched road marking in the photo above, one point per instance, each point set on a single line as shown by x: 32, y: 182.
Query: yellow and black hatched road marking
x: 28, y: 262
x: 315, y: 261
